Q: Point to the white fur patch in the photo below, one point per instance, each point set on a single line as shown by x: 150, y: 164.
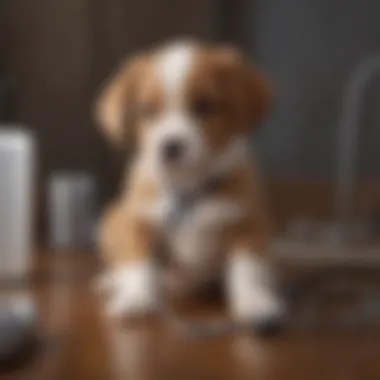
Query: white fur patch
x: 175, y: 123
x: 249, y: 289
x: 135, y: 290
x: 197, y: 239
x: 173, y: 68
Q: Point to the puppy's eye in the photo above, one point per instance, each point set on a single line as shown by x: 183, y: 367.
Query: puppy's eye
x: 204, y: 108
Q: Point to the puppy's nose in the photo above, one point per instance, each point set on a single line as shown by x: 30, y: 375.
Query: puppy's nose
x: 173, y: 150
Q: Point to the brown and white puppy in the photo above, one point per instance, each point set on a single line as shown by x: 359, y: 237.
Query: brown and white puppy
x: 189, y: 109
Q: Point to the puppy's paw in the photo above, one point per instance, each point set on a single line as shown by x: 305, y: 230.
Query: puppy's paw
x: 252, y: 298
x: 136, y: 291
x: 129, y: 306
x: 260, y: 307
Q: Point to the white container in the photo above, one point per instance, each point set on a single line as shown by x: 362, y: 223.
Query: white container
x: 17, y: 172
x: 71, y: 201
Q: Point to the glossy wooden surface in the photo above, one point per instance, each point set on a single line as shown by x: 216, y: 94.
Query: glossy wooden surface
x: 80, y: 343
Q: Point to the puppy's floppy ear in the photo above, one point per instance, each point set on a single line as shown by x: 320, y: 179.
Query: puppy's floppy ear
x: 114, y: 107
x: 252, y: 90
x: 260, y: 96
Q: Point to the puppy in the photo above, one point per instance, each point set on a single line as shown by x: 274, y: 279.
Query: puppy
x: 189, y: 109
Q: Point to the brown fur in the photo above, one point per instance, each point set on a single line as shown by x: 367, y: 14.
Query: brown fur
x: 242, y: 98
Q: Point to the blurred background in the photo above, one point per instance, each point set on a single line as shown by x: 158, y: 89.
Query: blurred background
x: 319, y: 150
x: 54, y: 55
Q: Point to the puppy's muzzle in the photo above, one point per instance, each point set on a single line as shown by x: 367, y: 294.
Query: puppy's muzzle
x: 173, y: 150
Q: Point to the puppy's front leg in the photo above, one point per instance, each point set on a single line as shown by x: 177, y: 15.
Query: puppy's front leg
x: 249, y: 285
x: 135, y: 276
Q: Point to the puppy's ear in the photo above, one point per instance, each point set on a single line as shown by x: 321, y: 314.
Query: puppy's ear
x: 115, y: 105
x: 260, y: 96
x: 253, y: 92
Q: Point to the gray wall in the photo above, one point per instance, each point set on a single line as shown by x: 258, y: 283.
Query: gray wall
x: 59, y: 51
x: 309, y: 47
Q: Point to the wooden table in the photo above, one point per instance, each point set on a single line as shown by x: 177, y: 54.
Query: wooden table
x: 80, y: 343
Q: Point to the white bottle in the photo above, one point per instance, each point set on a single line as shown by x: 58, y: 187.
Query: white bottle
x: 71, y: 200
x: 17, y: 176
